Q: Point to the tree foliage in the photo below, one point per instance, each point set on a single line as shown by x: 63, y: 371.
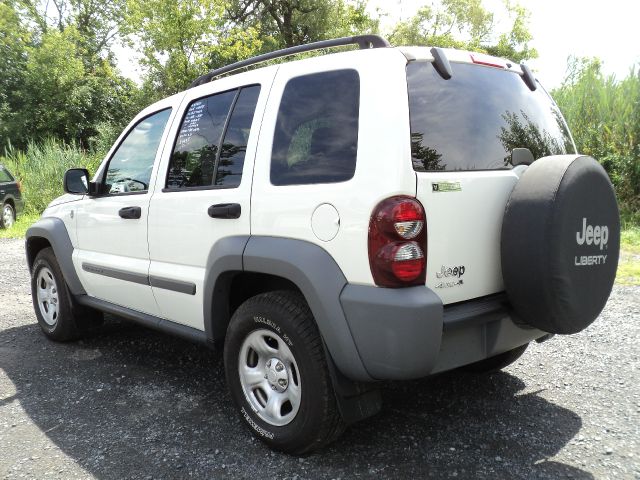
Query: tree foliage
x: 57, y: 73
x: 14, y: 40
x: 466, y: 24
x: 295, y: 22
x: 174, y: 37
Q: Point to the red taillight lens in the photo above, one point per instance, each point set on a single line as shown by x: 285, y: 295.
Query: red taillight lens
x: 397, y: 242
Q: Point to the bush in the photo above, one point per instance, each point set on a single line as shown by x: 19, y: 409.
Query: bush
x: 41, y: 169
x: 603, y: 114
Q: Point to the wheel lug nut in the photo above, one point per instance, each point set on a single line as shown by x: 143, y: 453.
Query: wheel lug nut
x: 282, y: 382
x: 279, y: 367
x: 273, y: 387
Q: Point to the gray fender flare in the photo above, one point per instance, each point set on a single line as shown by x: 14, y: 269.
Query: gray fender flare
x: 225, y: 259
x: 321, y: 281
x: 55, y: 232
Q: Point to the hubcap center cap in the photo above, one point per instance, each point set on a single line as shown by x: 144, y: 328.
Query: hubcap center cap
x: 277, y: 374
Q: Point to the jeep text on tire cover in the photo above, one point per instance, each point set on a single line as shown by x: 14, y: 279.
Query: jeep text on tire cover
x: 330, y: 237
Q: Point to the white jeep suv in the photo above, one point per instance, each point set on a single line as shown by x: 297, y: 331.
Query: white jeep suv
x: 375, y: 214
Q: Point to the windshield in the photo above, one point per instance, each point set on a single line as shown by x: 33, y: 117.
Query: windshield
x: 475, y: 119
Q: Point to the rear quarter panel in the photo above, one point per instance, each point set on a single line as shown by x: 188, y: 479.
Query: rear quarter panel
x: 382, y: 169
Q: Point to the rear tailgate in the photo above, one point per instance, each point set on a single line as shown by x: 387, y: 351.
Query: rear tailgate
x: 463, y: 231
x: 463, y: 131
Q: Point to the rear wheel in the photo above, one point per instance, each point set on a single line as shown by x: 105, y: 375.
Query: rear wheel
x: 7, y: 216
x: 498, y: 362
x: 277, y: 373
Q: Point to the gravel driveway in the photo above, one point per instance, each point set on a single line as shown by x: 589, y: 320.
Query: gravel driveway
x: 132, y: 403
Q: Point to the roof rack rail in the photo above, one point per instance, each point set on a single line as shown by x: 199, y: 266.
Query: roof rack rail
x: 363, y: 41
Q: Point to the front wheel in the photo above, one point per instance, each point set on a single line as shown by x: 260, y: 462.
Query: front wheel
x: 277, y: 373
x: 51, y: 300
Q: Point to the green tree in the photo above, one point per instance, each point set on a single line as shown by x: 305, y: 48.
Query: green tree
x: 57, y: 75
x: 14, y: 41
x: 96, y: 21
x: 180, y: 40
x: 295, y: 22
x: 466, y: 24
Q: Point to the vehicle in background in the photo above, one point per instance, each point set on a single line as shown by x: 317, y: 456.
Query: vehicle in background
x: 10, y: 198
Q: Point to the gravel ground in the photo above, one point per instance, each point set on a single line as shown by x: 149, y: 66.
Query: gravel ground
x: 132, y: 403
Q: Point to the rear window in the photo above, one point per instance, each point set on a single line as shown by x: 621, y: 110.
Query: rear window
x: 316, y: 137
x: 475, y: 119
x: 5, y: 176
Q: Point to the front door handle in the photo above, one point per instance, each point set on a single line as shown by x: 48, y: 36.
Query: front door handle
x: 130, y: 212
x: 225, y: 210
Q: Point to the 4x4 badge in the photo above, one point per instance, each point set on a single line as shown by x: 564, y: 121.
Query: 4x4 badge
x: 446, y: 187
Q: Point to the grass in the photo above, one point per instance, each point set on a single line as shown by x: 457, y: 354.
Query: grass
x: 41, y: 169
x: 19, y: 228
x: 629, y: 264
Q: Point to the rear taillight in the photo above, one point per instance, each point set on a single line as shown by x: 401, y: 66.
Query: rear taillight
x: 397, y: 242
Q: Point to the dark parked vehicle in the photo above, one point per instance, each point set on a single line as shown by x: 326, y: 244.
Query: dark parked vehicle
x: 10, y: 198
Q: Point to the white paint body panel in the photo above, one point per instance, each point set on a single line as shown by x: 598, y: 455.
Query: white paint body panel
x: 106, y: 240
x: 181, y: 233
x: 383, y: 165
x: 64, y: 208
x: 463, y: 229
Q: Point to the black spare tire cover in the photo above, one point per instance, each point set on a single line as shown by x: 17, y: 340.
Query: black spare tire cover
x: 560, y: 243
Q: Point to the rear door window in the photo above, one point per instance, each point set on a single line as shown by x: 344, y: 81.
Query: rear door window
x: 194, y: 156
x: 474, y: 120
x: 211, y: 144
x: 316, y: 136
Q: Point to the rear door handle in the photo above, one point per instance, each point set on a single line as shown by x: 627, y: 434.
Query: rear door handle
x: 225, y: 210
x: 130, y: 212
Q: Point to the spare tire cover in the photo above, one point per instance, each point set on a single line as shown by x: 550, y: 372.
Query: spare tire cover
x: 560, y: 243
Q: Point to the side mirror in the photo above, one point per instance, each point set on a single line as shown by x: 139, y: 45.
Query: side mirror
x: 521, y: 156
x: 76, y: 181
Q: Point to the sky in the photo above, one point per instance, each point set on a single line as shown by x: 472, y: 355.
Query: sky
x: 607, y: 29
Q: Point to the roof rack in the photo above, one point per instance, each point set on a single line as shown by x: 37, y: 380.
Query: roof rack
x: 363, y: 41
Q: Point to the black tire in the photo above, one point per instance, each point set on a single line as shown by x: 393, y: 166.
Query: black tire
x: 285, y: 317
x: 60, y: 325
x: 9, y: 208
x: 498, y: 362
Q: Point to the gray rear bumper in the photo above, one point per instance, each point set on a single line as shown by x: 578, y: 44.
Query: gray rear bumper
x: 407, y: 333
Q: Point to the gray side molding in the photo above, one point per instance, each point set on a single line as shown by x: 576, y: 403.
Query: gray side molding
x: 321, y: 281
x: 55, y: 232
x: 225, y: 259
